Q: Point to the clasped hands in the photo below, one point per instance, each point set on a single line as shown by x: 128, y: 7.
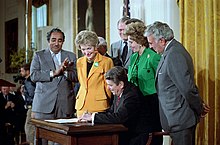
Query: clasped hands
x: 65, y: 64
x: 9, y: 104
x: 206, y: 109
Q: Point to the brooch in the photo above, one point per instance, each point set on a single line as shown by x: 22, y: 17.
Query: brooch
x: 96, y: 64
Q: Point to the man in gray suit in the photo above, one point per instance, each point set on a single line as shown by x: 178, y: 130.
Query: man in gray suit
x: 121, y: 49
x: 179, y: 102
x: 54, y: 71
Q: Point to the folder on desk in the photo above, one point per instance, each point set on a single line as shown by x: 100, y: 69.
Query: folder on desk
x: 70, y: 120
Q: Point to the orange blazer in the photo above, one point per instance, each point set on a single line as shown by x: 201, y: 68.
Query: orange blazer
x: 93, y: 94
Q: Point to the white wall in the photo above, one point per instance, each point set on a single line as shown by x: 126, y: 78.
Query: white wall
x: 115, y: 15
x: 62, y: 17
x: 148, y: 11
x: 163, y: 10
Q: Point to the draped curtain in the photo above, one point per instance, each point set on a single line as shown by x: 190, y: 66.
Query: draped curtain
x: 200, y: 34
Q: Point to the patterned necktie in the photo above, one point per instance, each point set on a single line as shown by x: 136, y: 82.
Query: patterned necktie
x: 125, y: 52
x: 118, y: 100
x: 55, y: 60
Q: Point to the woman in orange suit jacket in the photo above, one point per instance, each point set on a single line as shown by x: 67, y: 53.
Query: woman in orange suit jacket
x: 93, y: 94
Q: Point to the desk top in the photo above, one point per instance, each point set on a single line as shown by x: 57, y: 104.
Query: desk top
x: 78, y: 128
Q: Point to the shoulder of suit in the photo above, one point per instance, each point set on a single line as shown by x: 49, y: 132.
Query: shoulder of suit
x: 40, y: 51
x: 106, y: 57
x: 132, y: 89
x: 117, y: 42
x: 66, y: 51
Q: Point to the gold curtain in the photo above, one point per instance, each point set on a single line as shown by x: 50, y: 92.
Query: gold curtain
x: 200, y: 34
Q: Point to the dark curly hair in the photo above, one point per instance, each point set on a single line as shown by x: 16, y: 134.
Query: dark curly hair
x: 55, y: 30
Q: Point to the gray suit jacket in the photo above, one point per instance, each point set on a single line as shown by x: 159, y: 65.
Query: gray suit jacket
x: 116, y: 51
x: 180, y: 103
x: 50, y: 91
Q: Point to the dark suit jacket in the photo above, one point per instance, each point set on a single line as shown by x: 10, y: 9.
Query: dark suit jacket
x: 2, y: 120
x: 180, y: 103
x: 50, y: 91
x: 130, y: 112
x: 8, y: 115
x: 116, y: 60
x: 29, y: 88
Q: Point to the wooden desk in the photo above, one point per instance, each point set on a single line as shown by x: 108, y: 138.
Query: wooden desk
x: 78, y: 133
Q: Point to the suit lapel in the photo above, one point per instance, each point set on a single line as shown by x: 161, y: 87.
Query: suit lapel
x: 49, y: 59
x: 128, y: 55
x: 83, y: 70
x: 115, y: 102
x: 116, y: 52
x: 117, y: 106
x: 64, y: 55
x: 119, y: 48
x: 164, y: 56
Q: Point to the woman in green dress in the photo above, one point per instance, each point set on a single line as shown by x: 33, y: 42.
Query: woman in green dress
x: 141, y: 72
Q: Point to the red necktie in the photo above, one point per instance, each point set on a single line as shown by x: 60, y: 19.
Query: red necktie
x: 118, y: 100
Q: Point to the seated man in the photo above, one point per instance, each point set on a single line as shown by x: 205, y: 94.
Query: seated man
x: 126, y: 109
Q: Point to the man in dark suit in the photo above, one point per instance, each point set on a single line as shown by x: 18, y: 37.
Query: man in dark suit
x: 8, y: 110
x: 179, y: 102
x: 127, y: 109
x: 54, y: 71
x: 121, y: 49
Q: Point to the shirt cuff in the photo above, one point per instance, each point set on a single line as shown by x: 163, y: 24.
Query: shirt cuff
x: 65, y: 73
x: 51, y: 74
x: 93, y: 117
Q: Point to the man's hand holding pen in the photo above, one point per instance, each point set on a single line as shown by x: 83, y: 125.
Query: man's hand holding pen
x: 86, y: 117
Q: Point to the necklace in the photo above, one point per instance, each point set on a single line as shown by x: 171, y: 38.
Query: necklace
x: 90, y: 61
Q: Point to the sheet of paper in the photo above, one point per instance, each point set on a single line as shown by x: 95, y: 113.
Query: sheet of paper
x: 71, y: 120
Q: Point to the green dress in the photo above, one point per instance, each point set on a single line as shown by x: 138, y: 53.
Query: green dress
x: 142, y: 70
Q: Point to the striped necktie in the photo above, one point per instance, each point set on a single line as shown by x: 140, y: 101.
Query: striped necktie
x: 55, y: 60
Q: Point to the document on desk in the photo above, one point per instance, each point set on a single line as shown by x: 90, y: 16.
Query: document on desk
x: 70, y: 120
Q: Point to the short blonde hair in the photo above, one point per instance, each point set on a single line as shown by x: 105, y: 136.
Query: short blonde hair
x: 86, y: 37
